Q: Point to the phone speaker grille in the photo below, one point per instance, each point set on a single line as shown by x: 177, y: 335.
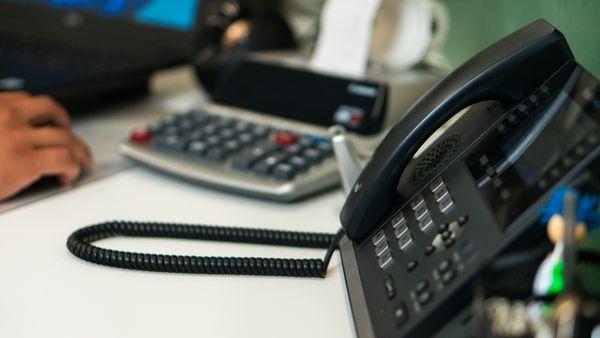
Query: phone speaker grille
x: 435, y: 159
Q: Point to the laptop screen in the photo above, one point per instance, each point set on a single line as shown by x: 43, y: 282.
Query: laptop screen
x: 170, y: 14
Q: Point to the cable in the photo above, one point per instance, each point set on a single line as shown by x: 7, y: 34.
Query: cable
x: 79, y: 243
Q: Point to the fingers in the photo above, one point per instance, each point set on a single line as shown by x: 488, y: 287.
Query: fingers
x: 57, y: 161
x: 13, y: 96
x: 41, y: 110
x: 59, y: 137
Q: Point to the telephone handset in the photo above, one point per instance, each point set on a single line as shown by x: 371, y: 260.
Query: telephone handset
x: 507, y: 71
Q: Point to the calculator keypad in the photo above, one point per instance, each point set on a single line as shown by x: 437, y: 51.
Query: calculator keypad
x: 249, y: 147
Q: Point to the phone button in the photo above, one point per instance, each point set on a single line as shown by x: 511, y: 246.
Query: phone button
x: 399, y: 221
x: 378, y: 238
x: 445, y: 203
x: 437, y: 185
x: 425, y: 222
x: 417, y: 203
x: 444, y: 265
x: 404, y: 240
x: 400, y: 232
x: 422, y: 287
x: 400, y: 315
x: 448, y: 276
x: 381, y: 249
x: 421, y: 212
x: 385, y: 261
x: 424, y: 297
x: 440, y: 193
x: 390, y: 287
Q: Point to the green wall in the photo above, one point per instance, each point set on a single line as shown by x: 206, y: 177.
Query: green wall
x: 475, y: 24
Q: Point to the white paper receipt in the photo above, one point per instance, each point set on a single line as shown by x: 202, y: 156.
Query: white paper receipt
x: 345, y: 37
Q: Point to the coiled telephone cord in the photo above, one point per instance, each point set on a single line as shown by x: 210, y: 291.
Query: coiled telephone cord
x: 80, y: 245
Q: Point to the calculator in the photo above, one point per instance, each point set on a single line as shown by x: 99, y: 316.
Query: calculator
x: 238, y: 151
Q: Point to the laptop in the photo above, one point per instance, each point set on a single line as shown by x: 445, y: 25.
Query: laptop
x: 83, y: 52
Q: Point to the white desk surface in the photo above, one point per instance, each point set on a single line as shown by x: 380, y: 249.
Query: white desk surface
x: 47, y: 292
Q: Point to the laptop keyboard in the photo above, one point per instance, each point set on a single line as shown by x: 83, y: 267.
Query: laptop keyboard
x: 60, y: 55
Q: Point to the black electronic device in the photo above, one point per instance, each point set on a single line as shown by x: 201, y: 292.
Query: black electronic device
x: 82, y: 52
x: 419, y: 229
x: 361, y: 106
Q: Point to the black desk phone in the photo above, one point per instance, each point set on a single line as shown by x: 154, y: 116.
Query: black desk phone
x: 418, y: 229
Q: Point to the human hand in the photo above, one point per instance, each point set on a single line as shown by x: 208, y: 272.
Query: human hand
x: 36, y: 141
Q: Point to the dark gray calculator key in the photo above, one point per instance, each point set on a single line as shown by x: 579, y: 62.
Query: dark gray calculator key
x: 156, y: 128
x: 246, y: 159
x: 277, y: 158
x: 169, y: 119
x: 199, y: 118
x: 246, y: 138
x: 171, y: 130
x: 325, y: 148
x: 299, y: 163
x: 264, y: 149
x: 312, y: 155
x: 227, y: 133
x: 213, y: 140
x: 172, y: 142
x: 265, y: 166
x: 232, y: 145
x: 210, y: 129
x: 242, y: 126
x: 306, y: 141
x: 224, y: 122
x: 243, y: 161
x: 197, y: 147
x: 284, y: 172
x: 186, y: 124
x: 294, y: 149
x: 261, y: 131
x: 196, y: 135
x: 216, y: 154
